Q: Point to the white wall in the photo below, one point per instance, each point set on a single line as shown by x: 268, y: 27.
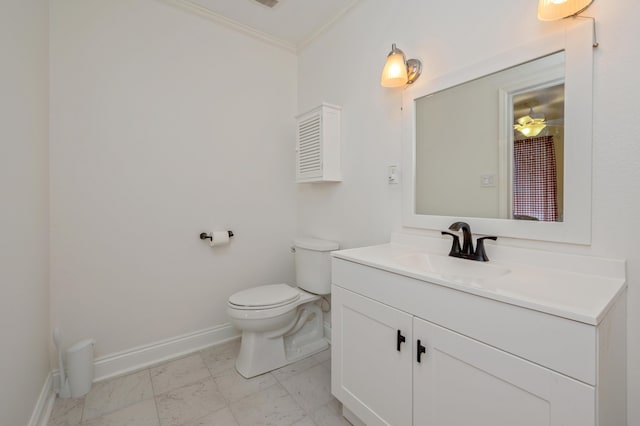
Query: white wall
x: 343, y: 66
x: 24, y: 271
x: 164, y: 125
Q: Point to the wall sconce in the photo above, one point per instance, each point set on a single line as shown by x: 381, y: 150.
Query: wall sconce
x: 552, y: 10
x: 399, y: 71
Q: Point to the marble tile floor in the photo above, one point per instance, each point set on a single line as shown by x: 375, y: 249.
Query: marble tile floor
x: 204, y: 389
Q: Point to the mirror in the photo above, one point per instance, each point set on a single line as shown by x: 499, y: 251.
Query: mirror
x: 525, y: 182
x: 472, y: 152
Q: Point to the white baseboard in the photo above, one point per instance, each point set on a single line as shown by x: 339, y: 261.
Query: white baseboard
x: 352, y: 418
x: 44, y: 405
x: 141, y: 357
x: 135, y: 359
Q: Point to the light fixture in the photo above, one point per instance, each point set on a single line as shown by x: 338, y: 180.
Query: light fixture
x: 399, y: 71
x: 530, y: 125
x: 552, y: 10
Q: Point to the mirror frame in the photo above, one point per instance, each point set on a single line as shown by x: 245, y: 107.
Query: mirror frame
x: 576, y: 41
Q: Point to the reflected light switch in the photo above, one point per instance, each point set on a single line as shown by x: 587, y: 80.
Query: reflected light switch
x: 488, y: 181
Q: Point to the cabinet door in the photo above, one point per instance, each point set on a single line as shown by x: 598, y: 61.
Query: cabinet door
x: 461, y: 382
x: 368, y: 373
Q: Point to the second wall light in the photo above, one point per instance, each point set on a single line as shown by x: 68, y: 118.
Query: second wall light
x: 551, y: 10
x: 398, y: 71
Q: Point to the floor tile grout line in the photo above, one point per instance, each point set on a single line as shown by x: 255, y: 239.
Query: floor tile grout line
x: 153, y: 395
x: 234, y: 416
x: 207, y: 367
x: 193, y: 381
x: 213, y: 412
x: 84, y: 400
x: 296, y: 373
x: 264, y: 390
x: 155, y: 404
x: 109, y: 412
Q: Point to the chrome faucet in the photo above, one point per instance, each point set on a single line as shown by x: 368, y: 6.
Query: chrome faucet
x: 467, y: 251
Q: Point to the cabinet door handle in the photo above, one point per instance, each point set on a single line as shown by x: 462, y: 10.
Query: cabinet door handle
x: 421, y: 350
x: 401, y: 339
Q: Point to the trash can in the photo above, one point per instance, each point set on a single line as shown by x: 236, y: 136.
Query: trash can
x: 80, y: 367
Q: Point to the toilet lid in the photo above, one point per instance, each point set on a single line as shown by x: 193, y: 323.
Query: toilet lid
x: 265, y: 296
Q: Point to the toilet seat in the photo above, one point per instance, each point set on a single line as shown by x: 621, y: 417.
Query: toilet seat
x: 264, y: 297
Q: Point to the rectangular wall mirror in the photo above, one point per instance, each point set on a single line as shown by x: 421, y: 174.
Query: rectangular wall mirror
x: 525, y: 182
x: 506, y: 145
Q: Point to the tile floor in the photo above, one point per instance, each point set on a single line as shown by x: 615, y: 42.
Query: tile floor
x: 204, y: 389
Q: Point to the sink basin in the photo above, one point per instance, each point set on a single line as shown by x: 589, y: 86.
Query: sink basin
x: 452, y: 268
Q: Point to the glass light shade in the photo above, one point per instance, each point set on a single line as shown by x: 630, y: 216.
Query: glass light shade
x: 530, y: 127
x: 394, y: 73
x: 551, y: 10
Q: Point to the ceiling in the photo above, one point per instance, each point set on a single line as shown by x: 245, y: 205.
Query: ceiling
x: 290, y: 23
x: 548, y: 101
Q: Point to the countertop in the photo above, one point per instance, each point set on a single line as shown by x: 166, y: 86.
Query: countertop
x: 575, y: 295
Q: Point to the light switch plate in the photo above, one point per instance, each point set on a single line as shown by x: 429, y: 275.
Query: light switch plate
x: 488, y: 181
x: 393, y: 175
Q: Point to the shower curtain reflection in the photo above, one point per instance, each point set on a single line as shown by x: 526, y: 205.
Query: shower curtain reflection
x: 535, y: 183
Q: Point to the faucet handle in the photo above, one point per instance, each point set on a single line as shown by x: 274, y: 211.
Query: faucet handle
x: 455, y: 246
x: 480, y: 253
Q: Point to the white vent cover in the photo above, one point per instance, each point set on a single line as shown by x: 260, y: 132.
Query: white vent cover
x: 268, y: 3
x: 309, y: 149
x: 318, y: 145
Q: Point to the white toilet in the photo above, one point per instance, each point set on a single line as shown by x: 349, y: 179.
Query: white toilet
x: 281, y: 324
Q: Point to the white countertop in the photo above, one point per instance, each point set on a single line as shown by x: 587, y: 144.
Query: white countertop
x: 579, y: 296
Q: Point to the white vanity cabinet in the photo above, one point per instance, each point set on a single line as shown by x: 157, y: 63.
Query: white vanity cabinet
x: 371, y: 368
x: 485, y: 362
x: 461, y: 381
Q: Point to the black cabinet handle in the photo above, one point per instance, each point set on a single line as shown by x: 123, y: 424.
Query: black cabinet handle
x: 421, y: 350
x: 401, y: 339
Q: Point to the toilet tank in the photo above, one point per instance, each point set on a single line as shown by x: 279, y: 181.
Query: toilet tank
x: 313, y: 264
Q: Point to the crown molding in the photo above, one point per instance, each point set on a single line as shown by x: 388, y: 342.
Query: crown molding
x: 326, y: 26
x: 209, y: 14
x: 230, y: 23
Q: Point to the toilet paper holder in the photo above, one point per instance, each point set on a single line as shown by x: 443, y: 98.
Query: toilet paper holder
x: 205, y: 236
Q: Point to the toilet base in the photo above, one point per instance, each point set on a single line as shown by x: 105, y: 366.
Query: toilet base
x: 263, y: 352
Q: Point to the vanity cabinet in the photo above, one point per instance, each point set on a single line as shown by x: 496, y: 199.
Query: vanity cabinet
x: 472, y: 371
x: 371, y: 349
x: 461, y: 381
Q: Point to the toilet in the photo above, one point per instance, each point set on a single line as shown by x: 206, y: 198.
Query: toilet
x: 280, y: 323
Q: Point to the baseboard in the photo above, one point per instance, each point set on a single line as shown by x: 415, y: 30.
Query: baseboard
x: 135, y: 359
x: 352, y: 418
x: 141, y: 357
x: 44, y: 405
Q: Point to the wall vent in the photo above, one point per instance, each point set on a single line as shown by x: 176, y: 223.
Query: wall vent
x: 309, y: 149
x: 268, y: 3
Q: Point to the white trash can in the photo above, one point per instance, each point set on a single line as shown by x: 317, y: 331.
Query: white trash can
x: 80, y: 367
